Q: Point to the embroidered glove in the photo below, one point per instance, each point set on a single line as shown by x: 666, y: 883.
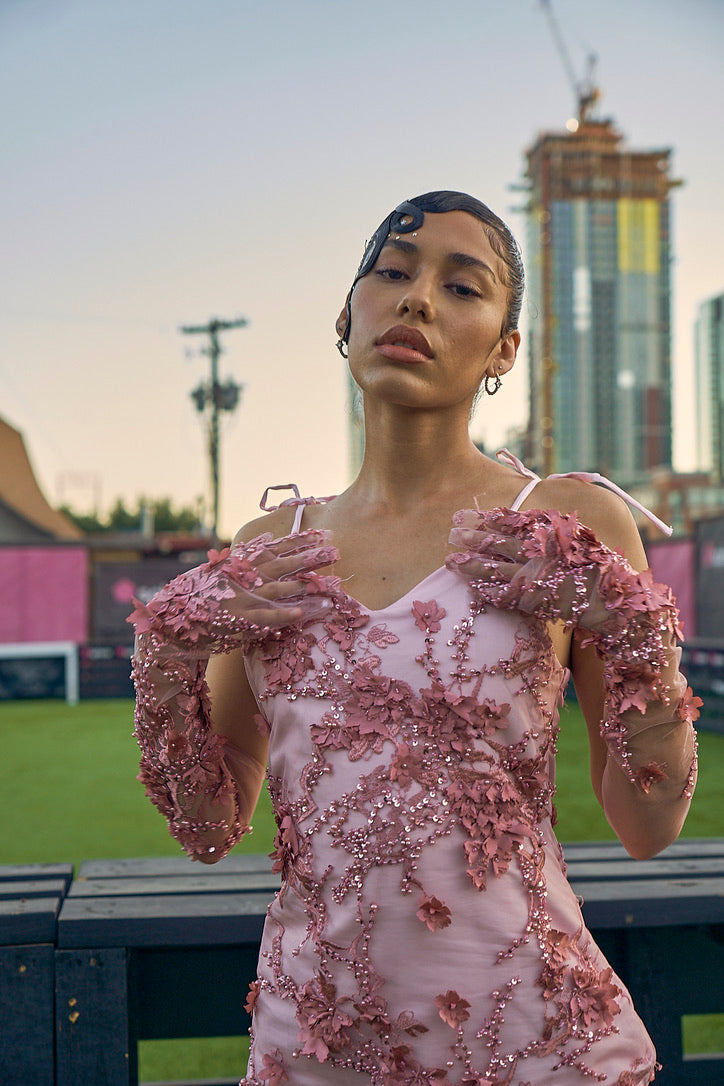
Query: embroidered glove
x: 201, y: 782
x: 547, y: 565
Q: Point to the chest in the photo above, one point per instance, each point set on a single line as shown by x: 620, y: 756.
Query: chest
x: 379, y: 562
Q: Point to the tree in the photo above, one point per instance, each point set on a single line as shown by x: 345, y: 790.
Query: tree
x: 160, y: 513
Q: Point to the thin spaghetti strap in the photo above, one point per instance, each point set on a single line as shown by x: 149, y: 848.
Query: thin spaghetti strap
x: 594, y: 477
x: 527, y: 489
x: 298, y: 514
x: 587, y: 476
x: 280, y: 486
x: 505, y: 456
x: 297, y: 503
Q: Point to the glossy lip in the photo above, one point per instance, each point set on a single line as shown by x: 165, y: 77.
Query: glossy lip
x: 404, y: 344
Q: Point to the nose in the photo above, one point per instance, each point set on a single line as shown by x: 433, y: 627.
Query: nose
x: 417, y: 300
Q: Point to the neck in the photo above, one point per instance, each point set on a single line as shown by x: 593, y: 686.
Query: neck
x: 413, y: 454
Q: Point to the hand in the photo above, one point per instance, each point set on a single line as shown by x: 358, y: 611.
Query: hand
x: 504, y: 574
x: 240, y: 593
x: 283, y: 593
x: 549, y: 565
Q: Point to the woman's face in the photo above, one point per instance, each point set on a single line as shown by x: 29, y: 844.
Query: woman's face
x: 426, y: 321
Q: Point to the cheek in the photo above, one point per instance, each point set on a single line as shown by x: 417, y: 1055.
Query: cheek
x: 364, y: 318
x: 473, y: 343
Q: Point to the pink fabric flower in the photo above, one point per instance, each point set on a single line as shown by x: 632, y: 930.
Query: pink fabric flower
x: 406, y: 765
x: 215, y: 556
x: 594, y: 997
x: 286, y: 845
x: 428, y: 615
x: 253, y: 995
x: 288, y: 661
x: 452, y: 1008
x: 177, y: 746
x: 401, y: 1069
x: 344, y: 621
x: 324, y: 1026
x: 376, y: 707
x: 273, y: 1070
x: 433, y: 913
x: 689, y: 706
x: 650, y: 774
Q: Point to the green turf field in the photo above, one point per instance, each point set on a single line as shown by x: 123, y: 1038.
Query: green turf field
x: 70, y: 794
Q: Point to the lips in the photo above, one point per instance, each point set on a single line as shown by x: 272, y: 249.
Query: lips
x: 404, y: 344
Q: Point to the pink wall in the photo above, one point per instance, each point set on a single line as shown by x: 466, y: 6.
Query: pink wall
x: 43, y: 594
x: 672, y: 563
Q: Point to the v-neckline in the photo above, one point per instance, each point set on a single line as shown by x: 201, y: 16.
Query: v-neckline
x: 415, y: 590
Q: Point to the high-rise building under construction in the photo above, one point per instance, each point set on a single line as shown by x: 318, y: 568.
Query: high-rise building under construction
x: 598, y: 262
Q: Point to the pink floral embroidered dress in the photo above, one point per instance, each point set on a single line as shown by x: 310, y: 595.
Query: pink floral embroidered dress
x: 425, y: 931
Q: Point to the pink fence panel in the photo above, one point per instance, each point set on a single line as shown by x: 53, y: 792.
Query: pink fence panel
x: 673, y: 563
x: 43, y: 594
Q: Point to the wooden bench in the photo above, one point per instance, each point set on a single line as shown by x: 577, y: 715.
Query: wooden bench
x: 30, y: 900
x: 166, y: 948
x: 660, y: 923
x: 151, y: 949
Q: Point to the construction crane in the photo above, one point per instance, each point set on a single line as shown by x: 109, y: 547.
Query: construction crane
x: 585, y: 91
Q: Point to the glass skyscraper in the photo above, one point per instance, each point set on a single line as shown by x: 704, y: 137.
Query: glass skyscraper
x: 598, y: 256
x: 709, y: 382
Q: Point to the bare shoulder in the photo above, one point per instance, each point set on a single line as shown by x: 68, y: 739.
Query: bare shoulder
x: 605, y: 513
x: 277, y: 524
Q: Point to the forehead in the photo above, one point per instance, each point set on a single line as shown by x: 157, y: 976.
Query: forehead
x: 453, y: 232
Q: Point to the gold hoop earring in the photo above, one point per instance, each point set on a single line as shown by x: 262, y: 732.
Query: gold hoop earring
x: 340, y: 347
x: 496, y: 386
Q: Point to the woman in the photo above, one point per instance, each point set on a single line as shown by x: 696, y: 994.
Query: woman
x: 406, y: 692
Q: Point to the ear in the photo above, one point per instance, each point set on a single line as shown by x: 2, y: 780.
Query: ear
x: 341, y: 324
x: 504, y: 355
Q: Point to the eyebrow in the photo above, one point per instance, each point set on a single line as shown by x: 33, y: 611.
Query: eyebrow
x: 462, y: 260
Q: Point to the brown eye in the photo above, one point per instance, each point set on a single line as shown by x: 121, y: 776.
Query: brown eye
x: 464, y: 290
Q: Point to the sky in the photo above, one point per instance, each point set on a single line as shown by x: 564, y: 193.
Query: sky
x: 169, y: 161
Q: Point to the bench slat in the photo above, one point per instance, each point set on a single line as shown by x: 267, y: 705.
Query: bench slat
x: 165, y: 920
x: 153, y: 885
x: 691, y: 847
x: 237, y: 864
x: 36, y: 871
x: 635, y: 870
x: 17, y: 889
x: 652, y: 902
x: 29, y: 920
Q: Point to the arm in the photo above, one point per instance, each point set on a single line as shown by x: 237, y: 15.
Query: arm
x: 637, y: 706
x: 205, y: 774
x: 645, y: 821
x: 645, y: 818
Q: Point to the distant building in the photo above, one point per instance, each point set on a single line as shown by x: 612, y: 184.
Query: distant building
x: 25, y: 515
x: 709, y: 387
x: 598, y: 262
x: 681, y: 499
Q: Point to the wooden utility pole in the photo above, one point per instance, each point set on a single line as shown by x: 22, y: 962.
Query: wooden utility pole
x: 214, y: 397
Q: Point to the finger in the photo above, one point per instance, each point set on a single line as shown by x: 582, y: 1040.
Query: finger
x: 278, y: 568
x: 485, y: 569
x: 299, y: 544
x: 279, y: 590
x: 274, y: 618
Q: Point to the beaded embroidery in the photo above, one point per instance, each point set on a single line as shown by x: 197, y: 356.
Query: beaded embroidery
x: 424, y: 931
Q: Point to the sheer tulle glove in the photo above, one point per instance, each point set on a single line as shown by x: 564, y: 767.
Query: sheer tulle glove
x: 546, y: 565
x: 201, y: 782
